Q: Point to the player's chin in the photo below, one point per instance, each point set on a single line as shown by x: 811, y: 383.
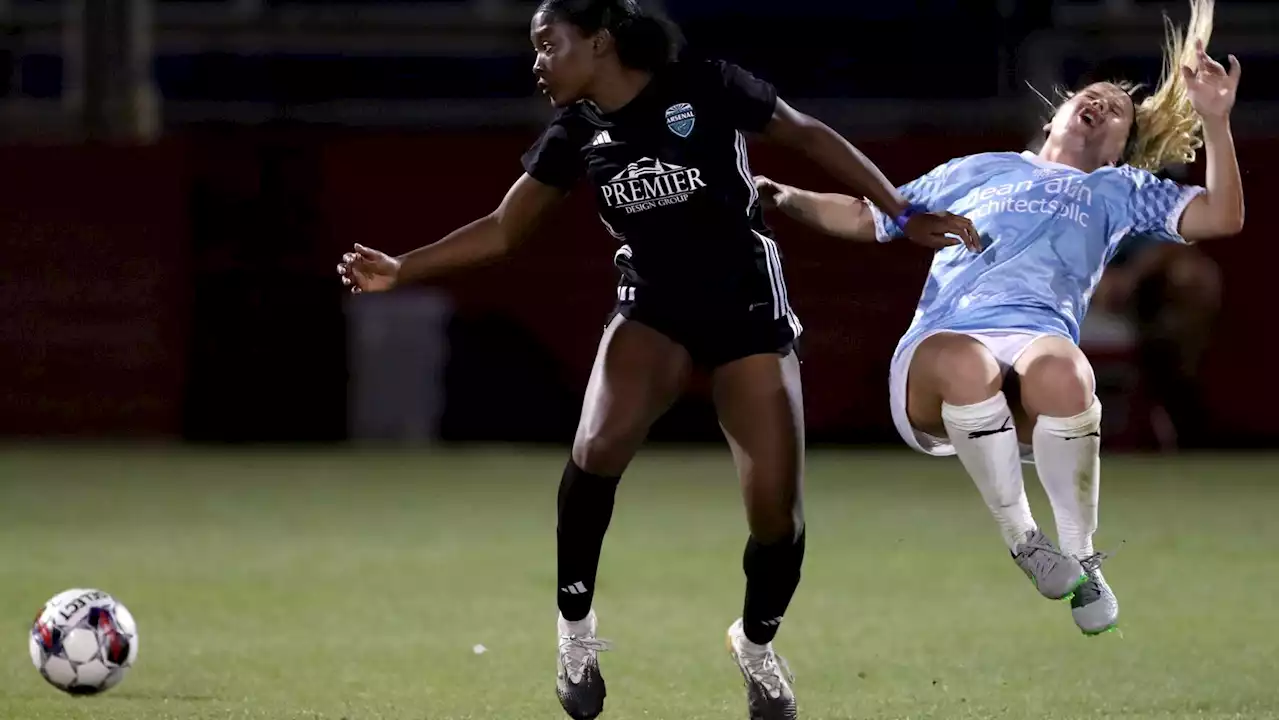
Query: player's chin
x: 558, y: 97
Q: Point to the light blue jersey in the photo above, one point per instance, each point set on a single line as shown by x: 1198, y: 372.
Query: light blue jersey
x: 1047, y: 231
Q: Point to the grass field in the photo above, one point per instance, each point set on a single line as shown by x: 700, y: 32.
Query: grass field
x: 354, y: 585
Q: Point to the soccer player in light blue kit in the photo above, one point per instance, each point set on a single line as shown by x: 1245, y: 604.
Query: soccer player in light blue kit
x: 1048, y: 223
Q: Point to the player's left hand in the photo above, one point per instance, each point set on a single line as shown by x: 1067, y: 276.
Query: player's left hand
x: 936, y: 230
x: 1210, y: 87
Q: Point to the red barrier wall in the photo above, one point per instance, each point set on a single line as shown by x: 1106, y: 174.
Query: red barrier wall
x: 92, y: 286
x: 104, y: 251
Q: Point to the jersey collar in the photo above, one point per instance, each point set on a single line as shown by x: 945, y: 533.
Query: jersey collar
x: 1038, y: 161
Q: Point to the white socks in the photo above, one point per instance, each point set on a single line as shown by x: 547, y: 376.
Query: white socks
x: 987, y: 445
x: 1067, y: 461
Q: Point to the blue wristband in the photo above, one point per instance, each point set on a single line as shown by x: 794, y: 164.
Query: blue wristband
x: 901, y: 220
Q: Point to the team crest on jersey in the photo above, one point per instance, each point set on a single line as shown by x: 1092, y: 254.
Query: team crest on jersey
x: 680, y: 119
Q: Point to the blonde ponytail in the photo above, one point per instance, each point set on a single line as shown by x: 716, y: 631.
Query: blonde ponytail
x: 1168, y: 127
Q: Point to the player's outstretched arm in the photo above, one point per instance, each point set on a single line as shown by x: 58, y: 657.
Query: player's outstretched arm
x: 824, y: 146
x: 837, y: 215
x: 489, y: 238
x: 1212, y: 92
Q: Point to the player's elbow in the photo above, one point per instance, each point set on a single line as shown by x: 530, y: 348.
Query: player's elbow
x: 1226, y: 224
x: 1235, y: 225
x: 1230, y: 215
x: 862, y: 221
x: 847, y: 218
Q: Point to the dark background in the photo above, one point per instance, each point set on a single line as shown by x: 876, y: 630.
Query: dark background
x: 168, y: 267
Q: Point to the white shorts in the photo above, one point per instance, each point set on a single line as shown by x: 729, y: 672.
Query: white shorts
x: 1006, y: 345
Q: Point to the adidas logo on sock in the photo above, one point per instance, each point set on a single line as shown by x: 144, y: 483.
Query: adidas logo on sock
x: 575, y: 589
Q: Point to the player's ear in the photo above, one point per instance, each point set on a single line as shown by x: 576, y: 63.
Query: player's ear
x: 601, y: 41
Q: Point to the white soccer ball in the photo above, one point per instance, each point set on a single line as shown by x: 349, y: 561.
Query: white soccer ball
x: 83, y: 641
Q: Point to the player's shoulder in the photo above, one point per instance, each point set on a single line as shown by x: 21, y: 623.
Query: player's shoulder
x: 1129, y: 175
x: 570, y: 115
x: 572, y: 122
x: 973, y: 163
x: 1002, y: 157
x: 703, y: 71
x: 1125, y: 182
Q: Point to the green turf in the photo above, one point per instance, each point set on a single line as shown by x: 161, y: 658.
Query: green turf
x: 354, y: 585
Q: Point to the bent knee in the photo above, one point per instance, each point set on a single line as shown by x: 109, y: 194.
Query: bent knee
x: 606, y: 454
x: 774, y: 524
x: 1057, y: 386
x: 957, y: 368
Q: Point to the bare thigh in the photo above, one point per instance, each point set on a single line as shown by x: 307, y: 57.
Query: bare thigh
x: 638, y: 374
x: 951, y: 368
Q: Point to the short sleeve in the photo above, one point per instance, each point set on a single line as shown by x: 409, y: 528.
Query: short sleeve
x: 1154, y: 206
x: 555, y: 159
x: 748, y: 99
x: 928, y: 190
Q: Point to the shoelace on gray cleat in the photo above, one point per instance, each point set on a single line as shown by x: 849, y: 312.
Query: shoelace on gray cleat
x: 1093, y: 563
x: 767, y: 673
x: 1043, y: 562
x: 575, y: 662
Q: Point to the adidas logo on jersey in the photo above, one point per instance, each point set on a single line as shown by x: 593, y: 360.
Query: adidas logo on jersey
x: 601, y: 138
x: 648, y: 183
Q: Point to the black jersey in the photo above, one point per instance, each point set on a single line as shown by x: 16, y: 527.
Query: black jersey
x: 671, y: 180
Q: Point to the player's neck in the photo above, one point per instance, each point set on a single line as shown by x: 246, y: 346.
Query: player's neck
x: 1077, y: 158
x: 618, y: 88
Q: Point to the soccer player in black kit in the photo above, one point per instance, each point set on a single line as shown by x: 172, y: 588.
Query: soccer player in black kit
x: 661, y: 142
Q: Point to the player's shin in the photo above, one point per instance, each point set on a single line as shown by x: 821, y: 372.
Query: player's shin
x: 585, y: 507
x: 1067, y: 461
x: 773, y: 574
x: 987, y: 445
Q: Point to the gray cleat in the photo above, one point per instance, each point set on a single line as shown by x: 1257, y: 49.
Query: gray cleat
x: 1055, y: 574
x: 1094, y: 607
x: 769, y: 695
x: 579, y: 684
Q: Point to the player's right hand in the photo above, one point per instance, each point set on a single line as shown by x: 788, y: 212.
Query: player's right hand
x: 936, y: 230
x: 768, y: 191
x: 368, y: 270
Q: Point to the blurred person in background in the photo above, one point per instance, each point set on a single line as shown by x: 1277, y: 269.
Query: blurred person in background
x: 1049, y: 224
x: 1170, y: 294
x: 661, y: 140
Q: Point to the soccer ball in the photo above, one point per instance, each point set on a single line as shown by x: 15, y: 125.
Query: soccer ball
x: 83, y: 641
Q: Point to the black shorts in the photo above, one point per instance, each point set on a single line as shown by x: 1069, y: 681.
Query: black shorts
x: 715, y: 330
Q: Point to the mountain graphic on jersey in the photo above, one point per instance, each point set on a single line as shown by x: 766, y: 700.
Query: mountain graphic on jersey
x: 649, y: 183
x: 643, y: 167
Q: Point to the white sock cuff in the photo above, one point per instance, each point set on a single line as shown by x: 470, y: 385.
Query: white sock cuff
x: 1089, y: 421
x: 978, y: 415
